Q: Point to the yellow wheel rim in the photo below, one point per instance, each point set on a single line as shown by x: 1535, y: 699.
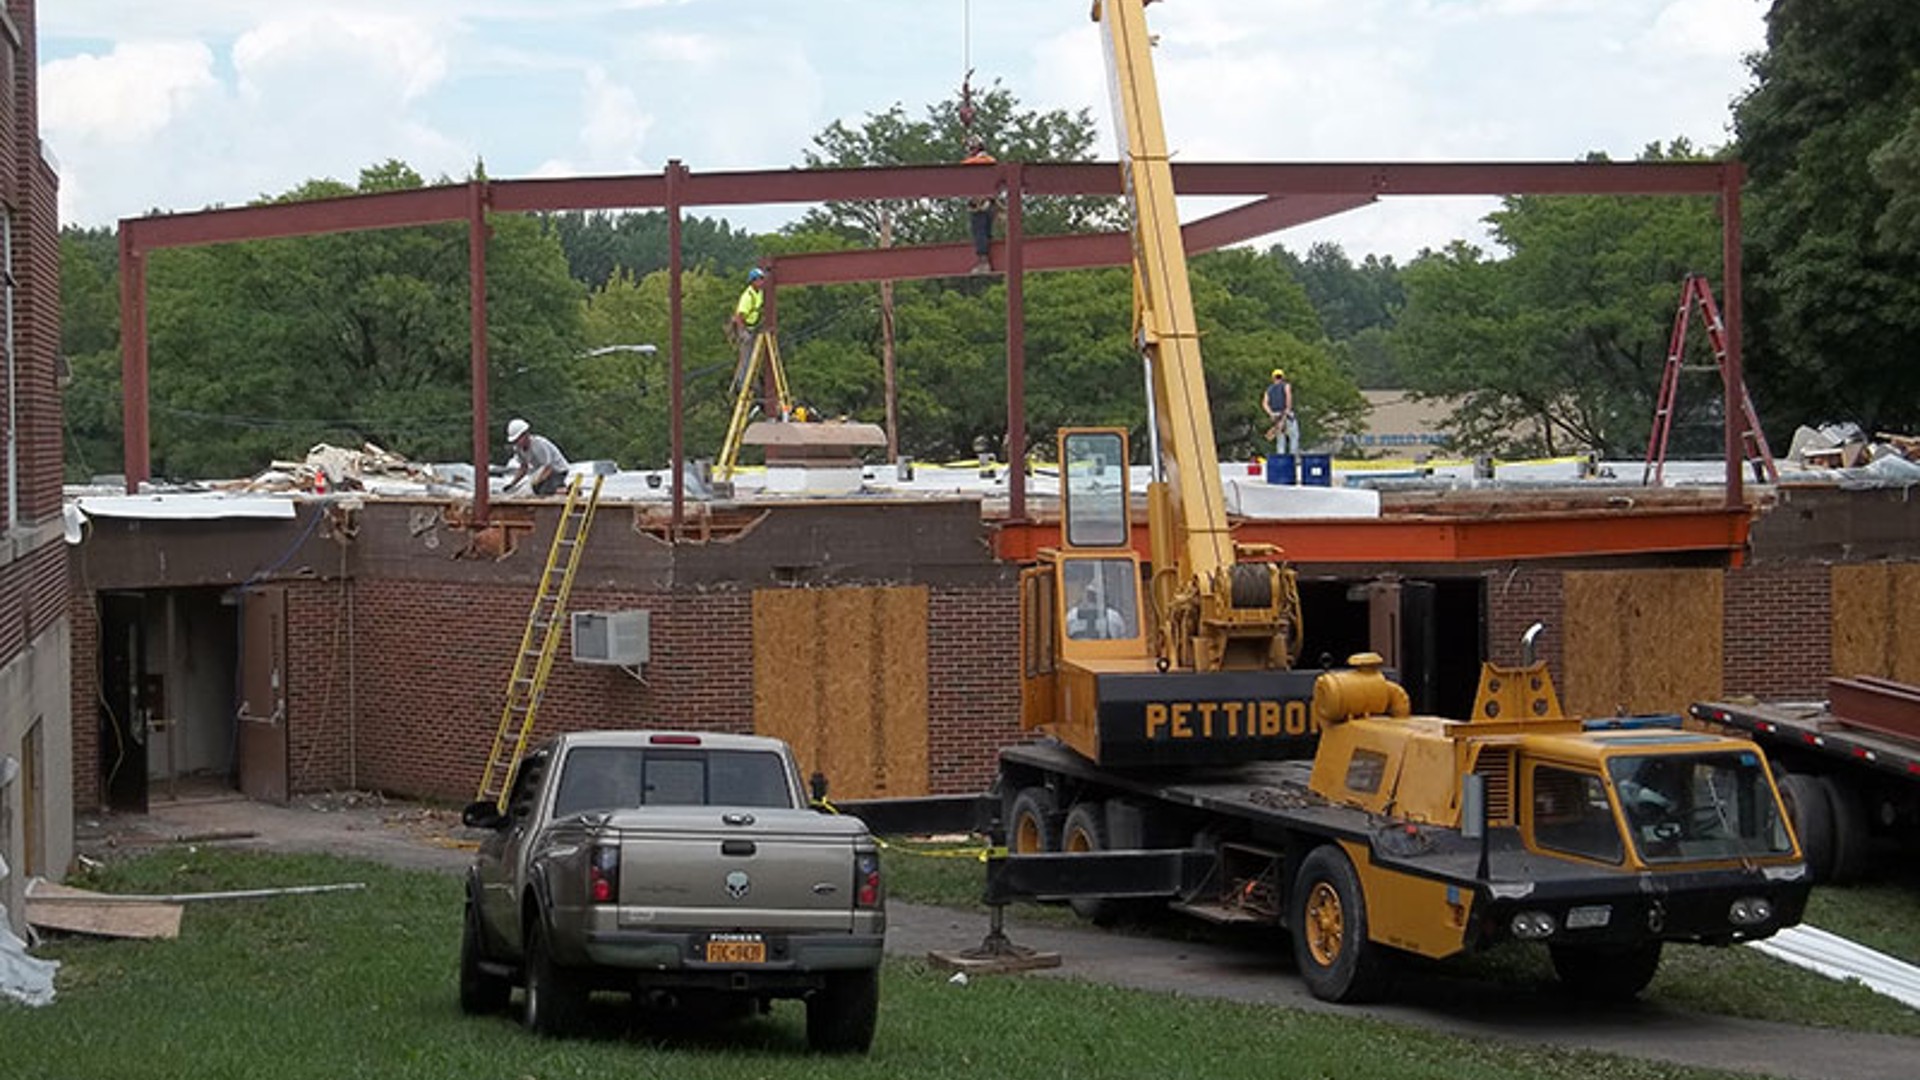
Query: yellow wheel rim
x: 1026, y: 836
x: 1078, y: 842
x: 1325, y: 924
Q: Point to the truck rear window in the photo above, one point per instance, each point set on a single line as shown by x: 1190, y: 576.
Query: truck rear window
x: 619, y: 777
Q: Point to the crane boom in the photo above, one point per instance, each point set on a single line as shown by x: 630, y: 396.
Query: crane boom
x: 1197, y: 669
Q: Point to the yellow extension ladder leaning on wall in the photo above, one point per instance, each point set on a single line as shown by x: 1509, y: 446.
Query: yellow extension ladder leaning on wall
x: 540, y: 642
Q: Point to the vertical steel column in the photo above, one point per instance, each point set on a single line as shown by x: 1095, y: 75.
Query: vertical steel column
x: 477, y: 198
x: 1011, y: 176
x: 135, y: 455
x: 676, y: 174
x: 1732, y: 176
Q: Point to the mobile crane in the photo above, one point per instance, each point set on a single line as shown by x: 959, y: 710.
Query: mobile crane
x: 1191, y: 763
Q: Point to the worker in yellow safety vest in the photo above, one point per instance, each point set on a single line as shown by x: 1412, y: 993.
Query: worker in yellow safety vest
x: 745, y: 324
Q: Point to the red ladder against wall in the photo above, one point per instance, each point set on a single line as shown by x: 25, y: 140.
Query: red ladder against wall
x: 1753, y: 441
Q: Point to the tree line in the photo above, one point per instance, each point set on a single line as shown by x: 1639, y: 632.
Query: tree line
x: 1552, y: 341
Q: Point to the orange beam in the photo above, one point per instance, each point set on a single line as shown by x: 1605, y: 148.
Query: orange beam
x: 1434, y: 539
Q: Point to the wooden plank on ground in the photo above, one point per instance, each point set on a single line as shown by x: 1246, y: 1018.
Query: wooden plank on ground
x: 78, y: 911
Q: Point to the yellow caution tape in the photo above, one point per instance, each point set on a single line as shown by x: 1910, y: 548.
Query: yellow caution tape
x: 978, y: 854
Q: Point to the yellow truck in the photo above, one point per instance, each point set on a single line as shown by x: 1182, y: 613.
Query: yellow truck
x: 1189, y: 761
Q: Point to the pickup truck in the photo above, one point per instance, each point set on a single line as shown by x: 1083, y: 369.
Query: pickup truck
x: 680, y: 865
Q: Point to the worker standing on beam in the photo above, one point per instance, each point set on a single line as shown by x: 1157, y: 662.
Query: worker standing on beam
x: 744, y: 327
x: 980, y: 210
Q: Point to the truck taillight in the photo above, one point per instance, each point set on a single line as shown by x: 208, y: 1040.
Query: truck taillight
x: 603, y: 875
x: 866, y: 880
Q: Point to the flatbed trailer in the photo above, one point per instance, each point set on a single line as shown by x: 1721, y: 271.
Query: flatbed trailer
x: 1848, y: 767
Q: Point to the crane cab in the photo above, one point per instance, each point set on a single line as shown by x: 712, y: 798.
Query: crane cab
x: 1092, y: 674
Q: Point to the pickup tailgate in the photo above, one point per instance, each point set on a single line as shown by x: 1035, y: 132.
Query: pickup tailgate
x: 713, y: 869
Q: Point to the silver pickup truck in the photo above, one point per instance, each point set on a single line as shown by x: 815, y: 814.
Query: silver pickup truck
x: 677, y: 864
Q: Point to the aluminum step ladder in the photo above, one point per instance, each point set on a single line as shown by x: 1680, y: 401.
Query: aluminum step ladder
x: 541, y: 641
x: 1753, y: 441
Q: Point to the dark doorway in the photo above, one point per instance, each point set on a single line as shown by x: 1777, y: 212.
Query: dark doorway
x: 123, y: 708
x: 1431, y: 632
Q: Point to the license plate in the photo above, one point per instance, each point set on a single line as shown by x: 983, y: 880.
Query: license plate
x: 1587, y: 918
x: 743, y: 949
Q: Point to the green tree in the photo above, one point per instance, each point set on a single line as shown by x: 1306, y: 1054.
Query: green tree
x: 1831, y: 137
x: 1348, y: 298
x: 260, y: 349
x: 893, y: 137
x: 600, y: 245
x: 1559, y: 347
x: 90, y: 340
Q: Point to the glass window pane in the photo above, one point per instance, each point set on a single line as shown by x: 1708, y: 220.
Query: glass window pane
x: 1698, y: 806
x: 1093, y: 484
x: 1571, y: 814
x: 1103, y: 599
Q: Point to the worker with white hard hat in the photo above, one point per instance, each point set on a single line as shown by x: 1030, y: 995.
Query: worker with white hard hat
x: 541, y: 464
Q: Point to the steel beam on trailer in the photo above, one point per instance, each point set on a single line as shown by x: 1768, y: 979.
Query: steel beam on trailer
x: 1878, y: 705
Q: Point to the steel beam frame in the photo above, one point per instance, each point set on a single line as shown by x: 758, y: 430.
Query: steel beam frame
x: 1284, y: 194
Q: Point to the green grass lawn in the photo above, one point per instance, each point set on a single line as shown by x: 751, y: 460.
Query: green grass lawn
x: 1729, y: 982
x: 361, y: 984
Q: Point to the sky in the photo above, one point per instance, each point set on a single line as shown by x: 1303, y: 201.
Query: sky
x: 192, y: 103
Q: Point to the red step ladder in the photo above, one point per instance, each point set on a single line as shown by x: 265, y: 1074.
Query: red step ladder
x: 1753, y: 441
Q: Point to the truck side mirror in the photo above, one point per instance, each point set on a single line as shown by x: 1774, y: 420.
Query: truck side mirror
x: 817, y: 786
x: 1473, y: 806
x: 482, y: 815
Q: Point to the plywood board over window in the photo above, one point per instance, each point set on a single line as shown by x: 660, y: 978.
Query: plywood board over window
x: 1876, y: 621
x: 841, y: 675
x: 1642, y: 641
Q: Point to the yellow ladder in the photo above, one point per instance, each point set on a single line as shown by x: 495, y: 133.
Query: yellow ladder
x: 766, y: 349
x: 539, y: 643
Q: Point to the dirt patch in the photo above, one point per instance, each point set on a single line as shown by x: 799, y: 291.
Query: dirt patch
x: 353, y: 824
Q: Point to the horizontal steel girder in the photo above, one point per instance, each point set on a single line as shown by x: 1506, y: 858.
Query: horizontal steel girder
x: 394, y: 209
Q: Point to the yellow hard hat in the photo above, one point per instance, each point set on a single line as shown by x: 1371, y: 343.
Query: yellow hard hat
x: 1279, y: 374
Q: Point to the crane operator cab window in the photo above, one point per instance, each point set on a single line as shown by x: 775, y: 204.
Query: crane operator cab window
x: 1093, y: 486
x: 1102, y: 599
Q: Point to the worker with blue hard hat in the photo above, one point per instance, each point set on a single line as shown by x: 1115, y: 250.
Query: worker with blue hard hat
x: 744, y: 326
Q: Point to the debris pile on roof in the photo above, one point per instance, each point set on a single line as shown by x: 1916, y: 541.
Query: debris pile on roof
x: 1855, y: 460
x: 329, y: 469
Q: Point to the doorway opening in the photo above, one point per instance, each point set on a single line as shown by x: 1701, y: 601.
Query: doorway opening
x: 168, y: 672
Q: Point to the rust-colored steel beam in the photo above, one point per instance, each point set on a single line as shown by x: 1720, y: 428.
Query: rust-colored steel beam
x: 477, y: 195
x: 581, y: 193
x: 1450, y: 540
x: 348, y: 213
x: 1881, y: 706
x: 1255, y: 219
x: 1015, y: 267
x: 137, y: 462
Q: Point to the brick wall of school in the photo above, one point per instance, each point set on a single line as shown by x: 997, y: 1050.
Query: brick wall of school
x: 1777, y: 631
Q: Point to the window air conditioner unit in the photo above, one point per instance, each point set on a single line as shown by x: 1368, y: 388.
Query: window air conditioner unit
x: 610, y: 637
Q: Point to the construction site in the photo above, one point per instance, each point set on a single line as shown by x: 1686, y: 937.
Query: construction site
x: 1406, y: 711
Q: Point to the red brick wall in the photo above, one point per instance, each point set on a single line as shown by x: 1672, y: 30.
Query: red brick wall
x: 83, y: 617
x: 1518, y: 598
x: 429, y: 665
x: 1777, y: 632
x: 973, y: 686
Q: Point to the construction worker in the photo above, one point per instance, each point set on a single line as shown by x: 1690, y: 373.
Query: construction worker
x: 745, y: 324
x: 1278, y: 403
x: 541, y: 463
x: 980, y: 211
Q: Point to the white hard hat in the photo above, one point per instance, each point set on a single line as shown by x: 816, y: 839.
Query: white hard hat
x: 516, y: 427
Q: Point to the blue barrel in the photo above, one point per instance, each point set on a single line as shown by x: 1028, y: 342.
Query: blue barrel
x: 1316, y: 469
x: 1280, y: 469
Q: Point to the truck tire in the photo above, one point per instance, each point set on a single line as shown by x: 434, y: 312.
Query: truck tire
x: 1594, y: 973
x: 1086, y: 832
x: 842, y: 1014
x: 555, y: 996
x: 1032, y: 823
x: 481, y: 992
x: 1330, y: 945
x: 1810, y: 809
x: 1852, y: 832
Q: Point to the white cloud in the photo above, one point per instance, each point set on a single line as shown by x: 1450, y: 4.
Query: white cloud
x: 1714, y: 29
x: 131, y: 93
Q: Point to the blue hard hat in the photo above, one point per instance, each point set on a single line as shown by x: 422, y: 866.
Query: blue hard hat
x: 756, y: 274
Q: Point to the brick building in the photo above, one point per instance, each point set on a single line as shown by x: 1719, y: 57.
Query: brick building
x: 36, y: 818
x: 365, y: 643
